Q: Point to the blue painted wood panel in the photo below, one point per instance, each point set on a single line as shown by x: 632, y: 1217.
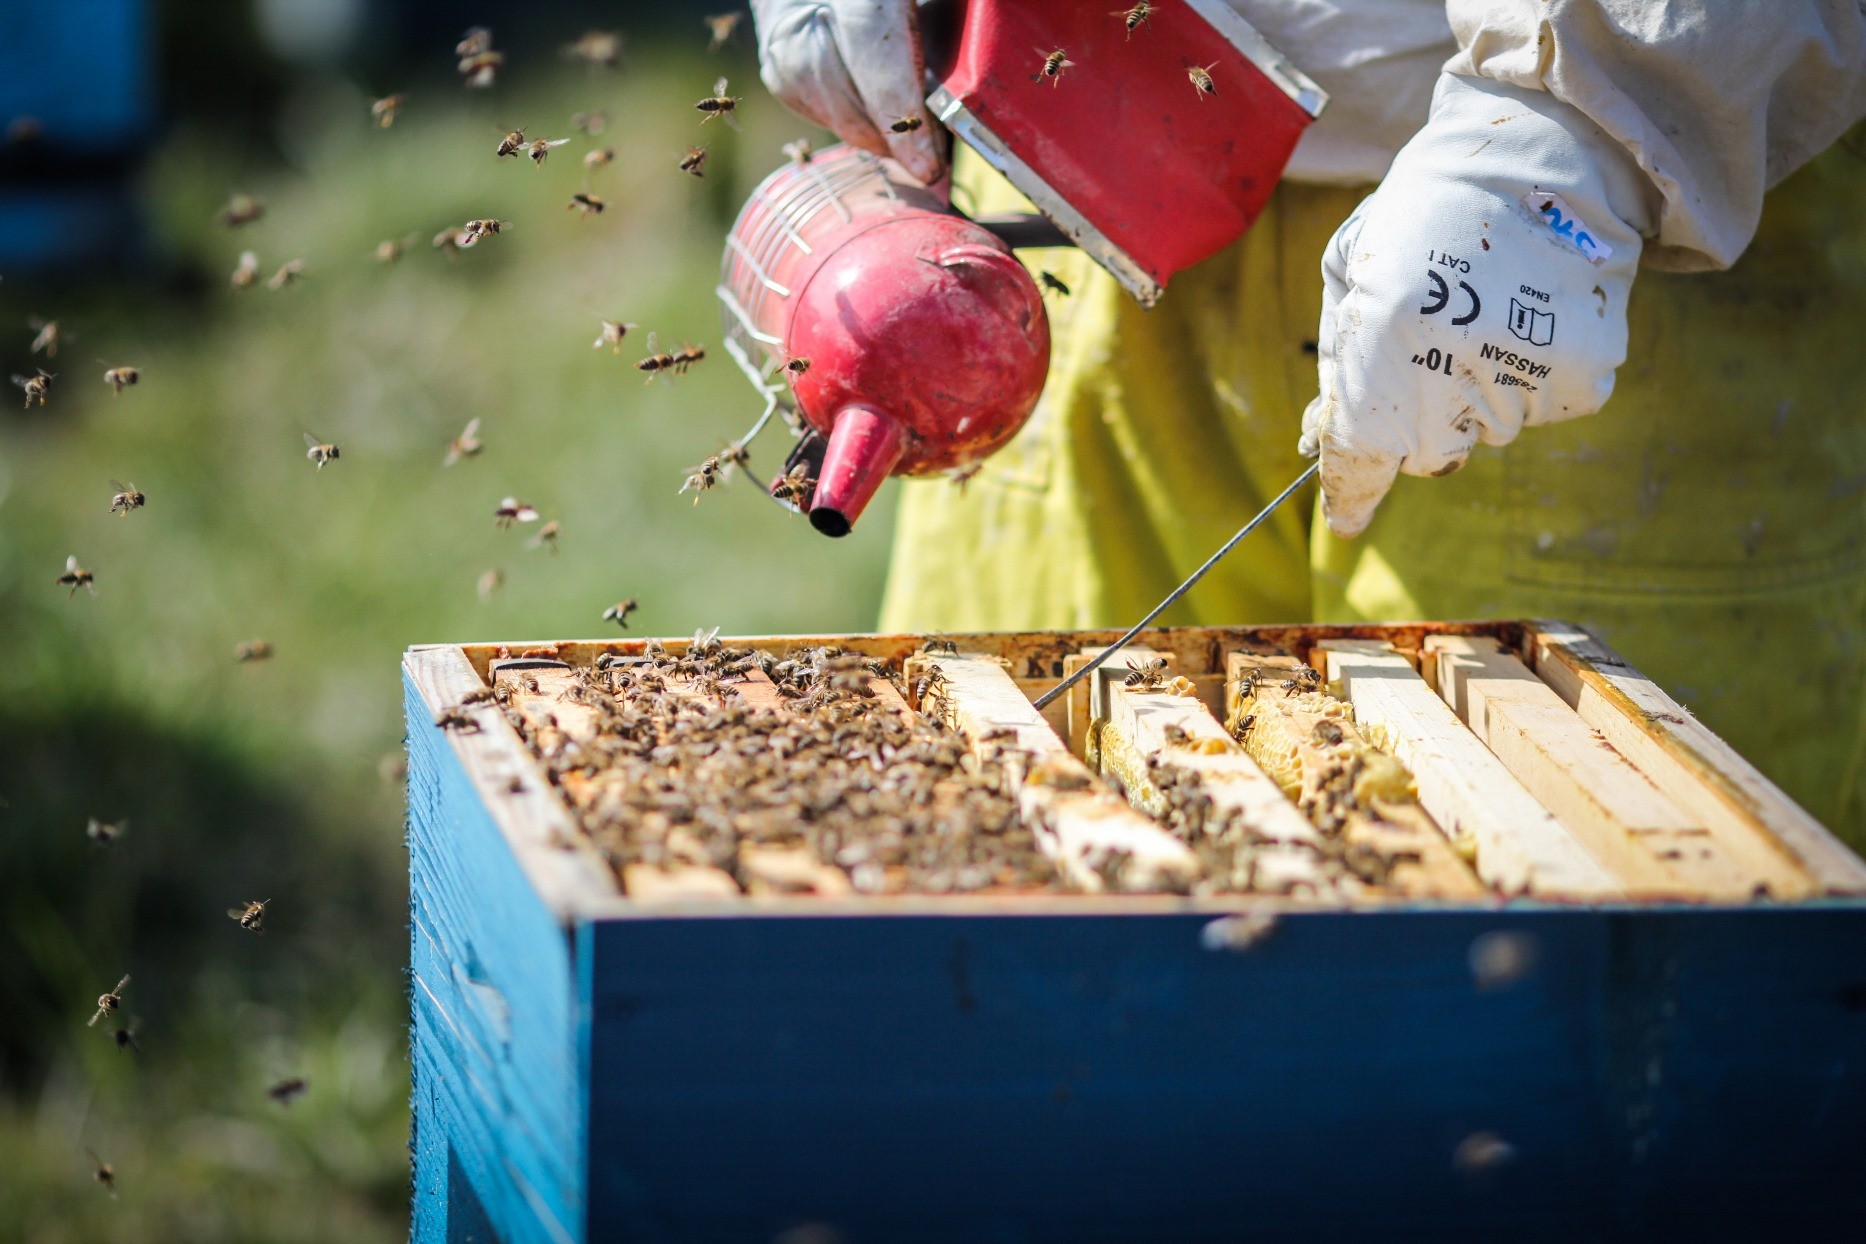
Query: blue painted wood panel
x: 1046, y: 1078
x: 492, y: 993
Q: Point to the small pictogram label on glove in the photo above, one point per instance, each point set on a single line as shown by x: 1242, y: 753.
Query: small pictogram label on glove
x: 1535, y: 327
x: 1562, y: 221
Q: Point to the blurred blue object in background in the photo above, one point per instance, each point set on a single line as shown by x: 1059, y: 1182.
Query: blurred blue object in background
x: 77, y: 99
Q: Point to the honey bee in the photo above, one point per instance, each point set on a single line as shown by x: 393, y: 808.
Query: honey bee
x: 481, y: 71
x: 1053, y: 283
x: 286, y: 1091
x: 252, y: 916
x: 1202, y: 80
x: 539, y: 149
x: 1147, y: 676
x: 722, y: 26
x: 797, y: 366
x: 465, y: 445
x: 246, y: 272
x: 736, y: 455
x: 511, y: 144
x: 103, y: 1173
x: 611, y: 335
x: 907, y: 124
x: 477, y: 229
x: 598, y: 158
x: 618, y: 612
x: 657, y: 361
x: 686, y: 357
x: 585, y: 202
x: 456, y: 719
x: 128, y: 497
x: 1327, y: 733
x: 1140, y: 15
x: 289, y: 272
x: 319, y: 452
x: 547, y: 537
x: 109, y: 1002
x: 447, y: 241
x: 105, y: 833
x: 490, y: 582
x: 391, y: 251
x: 719, y: 104
x: 795, y: 486
x: 476, y: 41
x: 125, y: 1037
x: 703, y: 477
x: 76, y: 577
x: 241, y: 209
x: 251, y: 650
x: 601, y: 49
x: 1054, y: 63
x: 964, y: 475
x: 117, y: 377
x: 385, y: 110
x: 799, y: 150
x: 47, y: 339
x: 512, y: 510
x: 694, y: 161
x: 591, y: 123
x: 35, y: 386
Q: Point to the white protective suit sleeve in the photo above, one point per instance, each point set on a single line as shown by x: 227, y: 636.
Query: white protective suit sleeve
x: 1715, y: 100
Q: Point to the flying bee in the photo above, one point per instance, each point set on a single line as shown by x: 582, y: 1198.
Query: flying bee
x: 109, y: 1002
x: 241, y: 209
x: 591, y: 123
x: 290, y: 271
x: 489, y: 583
x: 736, y: 455
x: 547, y: 537
x: 477, y: 229
x: 319, y: 452
x: 104, y: 1173
x: 657, y: 361
x: 511, y: 144
x: 465, y: 445
x: 105, y: 833
x: 481, y: 70
x: 47, y: 339
x: 719, y: 104
x: 694, y: 161
x: 797, y: 366
x: 799, y: 150
x: 456, y: 718
x: 907, y: 124
x: 128, y: 497
x: 252, y: 916
x: 288, y: 1090
x: 703, y: 477
x: 117, y: 377
x: 385, y: 110
x: 76, y: 577
x: 447, y: 241
x: 248, y: 651
x: 1053, y: 283
x: 35, y: 386
x: 477, y: 40
x: 1202, y: 80
x: 598, y: 158
x: 722, y: 26
x: 125, y: 1038
x: 601, y: 49
x: 686, y: 357
x: 794, y: 487
x: 585, y: 202
x: 1140, y: 15
x: 392, y: 250
x: 1054, y: 63
x: 611, y: 335
x: 539, y: 149
x: 246, y: 272
x: 618, y: 612
x: 512, y: 510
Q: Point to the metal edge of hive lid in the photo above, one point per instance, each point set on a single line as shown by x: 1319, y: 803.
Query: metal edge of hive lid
x: 1278, y: 69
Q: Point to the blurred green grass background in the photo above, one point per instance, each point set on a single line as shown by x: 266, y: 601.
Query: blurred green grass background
x: 274, y: 780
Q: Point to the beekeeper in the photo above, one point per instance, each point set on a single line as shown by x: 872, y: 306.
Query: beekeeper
x: 1533, y: 163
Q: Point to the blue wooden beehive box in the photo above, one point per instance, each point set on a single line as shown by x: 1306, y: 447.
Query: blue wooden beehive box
x: 1109, y: 1068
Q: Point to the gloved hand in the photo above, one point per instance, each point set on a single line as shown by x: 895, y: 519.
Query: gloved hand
x: 1480, y: 288
x: 854, y: 67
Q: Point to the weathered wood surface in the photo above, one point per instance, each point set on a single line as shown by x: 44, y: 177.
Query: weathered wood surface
x: 1520, y: 847
x: 1700, y: 771
x: 1649, y: 842
x: 1084, y: 827
x: 1426, y: 863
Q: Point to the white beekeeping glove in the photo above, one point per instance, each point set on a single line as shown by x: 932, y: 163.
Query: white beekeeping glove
x: 854, y: 67
x: 1480, y: 288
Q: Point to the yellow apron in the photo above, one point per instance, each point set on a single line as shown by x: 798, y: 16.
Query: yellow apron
x: 1710, y: 523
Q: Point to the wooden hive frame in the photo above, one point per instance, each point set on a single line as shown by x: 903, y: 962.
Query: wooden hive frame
x: 581, y: 1056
